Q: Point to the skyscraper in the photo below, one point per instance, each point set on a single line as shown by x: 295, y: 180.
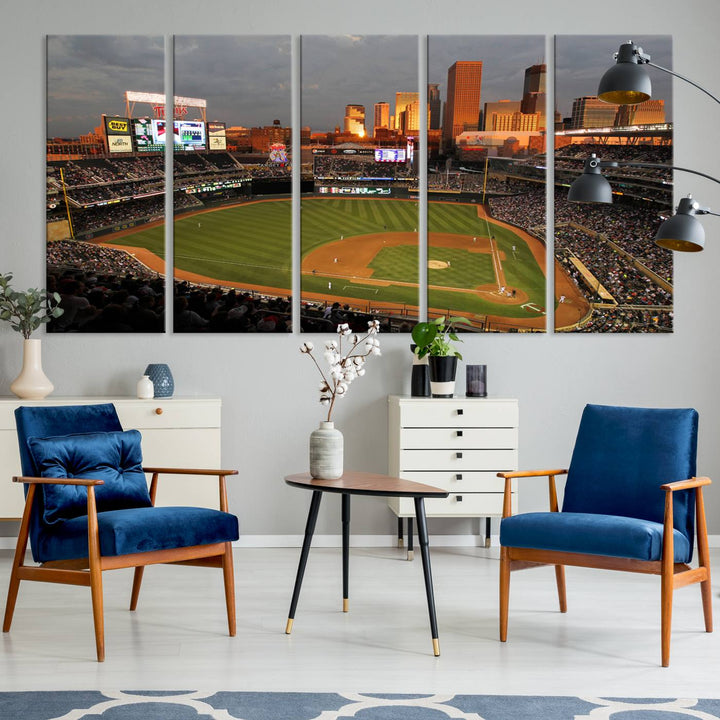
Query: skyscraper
x: 462, y: 107
x: 533, y: 100
x: 590, y: 112
x: 649, y: 112
x: 402, y: 100
x: 355, y: 120
x: 381, y: 117
x: 435, y: 105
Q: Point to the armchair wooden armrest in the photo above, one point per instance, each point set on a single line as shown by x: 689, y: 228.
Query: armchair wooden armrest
x: 186, y: 471
x: 531, y: 473
x: 509, y: 476
x: 220, y: 474
x: 695, y: 482
x: 57, y: 481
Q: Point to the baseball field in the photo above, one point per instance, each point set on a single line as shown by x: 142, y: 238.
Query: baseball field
x: 361, y: 251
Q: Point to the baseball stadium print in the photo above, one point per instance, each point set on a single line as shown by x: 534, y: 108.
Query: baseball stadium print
x: 105, y: 193
x: 486, y: 180
x: 359, y: 208
x: 232, y: 187
x: 609, y: 275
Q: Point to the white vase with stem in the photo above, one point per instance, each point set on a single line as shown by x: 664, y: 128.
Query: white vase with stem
x: 32, y: 383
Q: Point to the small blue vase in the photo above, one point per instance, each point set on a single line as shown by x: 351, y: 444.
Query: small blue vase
x: 162, y: 379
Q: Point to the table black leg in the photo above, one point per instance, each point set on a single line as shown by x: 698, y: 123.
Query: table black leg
x: 410, y: 551
x: 425, y: 553
x: 400, y: 532
x: 309, y: 530
x: 346, y: 548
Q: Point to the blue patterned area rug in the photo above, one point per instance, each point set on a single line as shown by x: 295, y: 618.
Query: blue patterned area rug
x: 188, y: 705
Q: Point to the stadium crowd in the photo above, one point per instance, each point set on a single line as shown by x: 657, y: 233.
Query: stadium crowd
x: 103, y: 290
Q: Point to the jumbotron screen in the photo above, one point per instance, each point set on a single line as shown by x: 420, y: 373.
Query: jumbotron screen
x: 149, y: 135
x: 189, y: 135
x: 390, y: 155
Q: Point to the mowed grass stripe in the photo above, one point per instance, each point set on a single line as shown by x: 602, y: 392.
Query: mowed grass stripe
x: 251, y: 244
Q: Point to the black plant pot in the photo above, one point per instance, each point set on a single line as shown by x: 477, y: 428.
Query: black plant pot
x: 442, y: 375
x: 420, y: 379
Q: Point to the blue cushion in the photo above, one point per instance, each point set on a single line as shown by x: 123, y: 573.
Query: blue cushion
x: 623, y: 454
x: 138, y: 530
x: 114, y: 457
x: 591, y: 533
x: 52, y: 421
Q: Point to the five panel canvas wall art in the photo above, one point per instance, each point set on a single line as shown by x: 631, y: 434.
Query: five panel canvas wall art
x: 374, y: 150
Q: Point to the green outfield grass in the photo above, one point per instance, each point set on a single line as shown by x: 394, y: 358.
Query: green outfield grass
x: 251, y: 244
x: 243, y: 244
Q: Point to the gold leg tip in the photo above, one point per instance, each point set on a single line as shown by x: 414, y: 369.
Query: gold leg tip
x: 346, y: 605
x: 288, y: 627
x: 401, y: 542
x: 411, y: 554
x: 436, y: 647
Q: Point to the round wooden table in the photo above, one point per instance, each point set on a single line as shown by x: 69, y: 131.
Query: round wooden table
x: 361, y: 483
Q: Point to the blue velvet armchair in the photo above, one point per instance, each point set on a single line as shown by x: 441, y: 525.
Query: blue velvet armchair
x: 88, y: 509
x: 632, y: 502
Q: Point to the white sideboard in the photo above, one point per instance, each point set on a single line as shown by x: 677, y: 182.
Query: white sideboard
x: 458, y: 444
x: 181, y: 432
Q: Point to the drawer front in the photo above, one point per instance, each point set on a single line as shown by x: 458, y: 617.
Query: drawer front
x: 459, y: 413
x: 468, y: 438
x: 459, y: 482
x: 457, y: 460
x: 455, y: 505
x: 134, y: 413
x: 162, y: 413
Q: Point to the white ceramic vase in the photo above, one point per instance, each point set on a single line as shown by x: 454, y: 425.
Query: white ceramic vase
x: 326, y: 452
x: 32, y: 383
x: 145, y: 388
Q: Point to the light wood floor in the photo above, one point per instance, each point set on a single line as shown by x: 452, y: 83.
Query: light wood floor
x: 607, y: 644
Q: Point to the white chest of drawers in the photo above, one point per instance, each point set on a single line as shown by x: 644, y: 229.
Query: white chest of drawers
x: 176, y: 432
x: 458, y: 444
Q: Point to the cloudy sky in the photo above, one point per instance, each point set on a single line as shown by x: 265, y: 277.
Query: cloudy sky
x: 87, y: 75
x: 246, y: 79
x: 340, y: 70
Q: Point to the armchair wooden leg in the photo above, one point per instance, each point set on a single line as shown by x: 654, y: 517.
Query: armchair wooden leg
x: 560, y: 580
x: 229, y: 578
x: 666, y: 599
x: 504, y: 592
x: 18, y: 560
x: 96, y: 587
x: 137, y: 581
x: 704, y: 559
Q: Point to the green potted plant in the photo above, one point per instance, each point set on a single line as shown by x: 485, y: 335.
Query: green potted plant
x: 26, y: 312
x: 435, y: 339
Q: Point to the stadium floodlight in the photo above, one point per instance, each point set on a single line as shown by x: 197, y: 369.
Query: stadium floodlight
x: 628, y: 82
x: 681, y: 232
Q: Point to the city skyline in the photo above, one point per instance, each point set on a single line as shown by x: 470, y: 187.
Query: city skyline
x: 340, y: 70
x: 88, y: 75
x: 581, y: 60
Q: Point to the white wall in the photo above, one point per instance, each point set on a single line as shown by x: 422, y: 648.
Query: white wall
x: 268, y: 388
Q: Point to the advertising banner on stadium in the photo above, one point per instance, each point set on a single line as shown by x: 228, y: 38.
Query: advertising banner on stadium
x: 119, y: 144
x: 216, y: 136
x: 117, y: 126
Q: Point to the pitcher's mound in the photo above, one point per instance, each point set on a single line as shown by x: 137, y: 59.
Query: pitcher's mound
x: 437, y: 264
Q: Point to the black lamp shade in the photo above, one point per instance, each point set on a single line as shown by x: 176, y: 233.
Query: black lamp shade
x: 626, y: 82
x: 590, y: 188
x: 681, y: 232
